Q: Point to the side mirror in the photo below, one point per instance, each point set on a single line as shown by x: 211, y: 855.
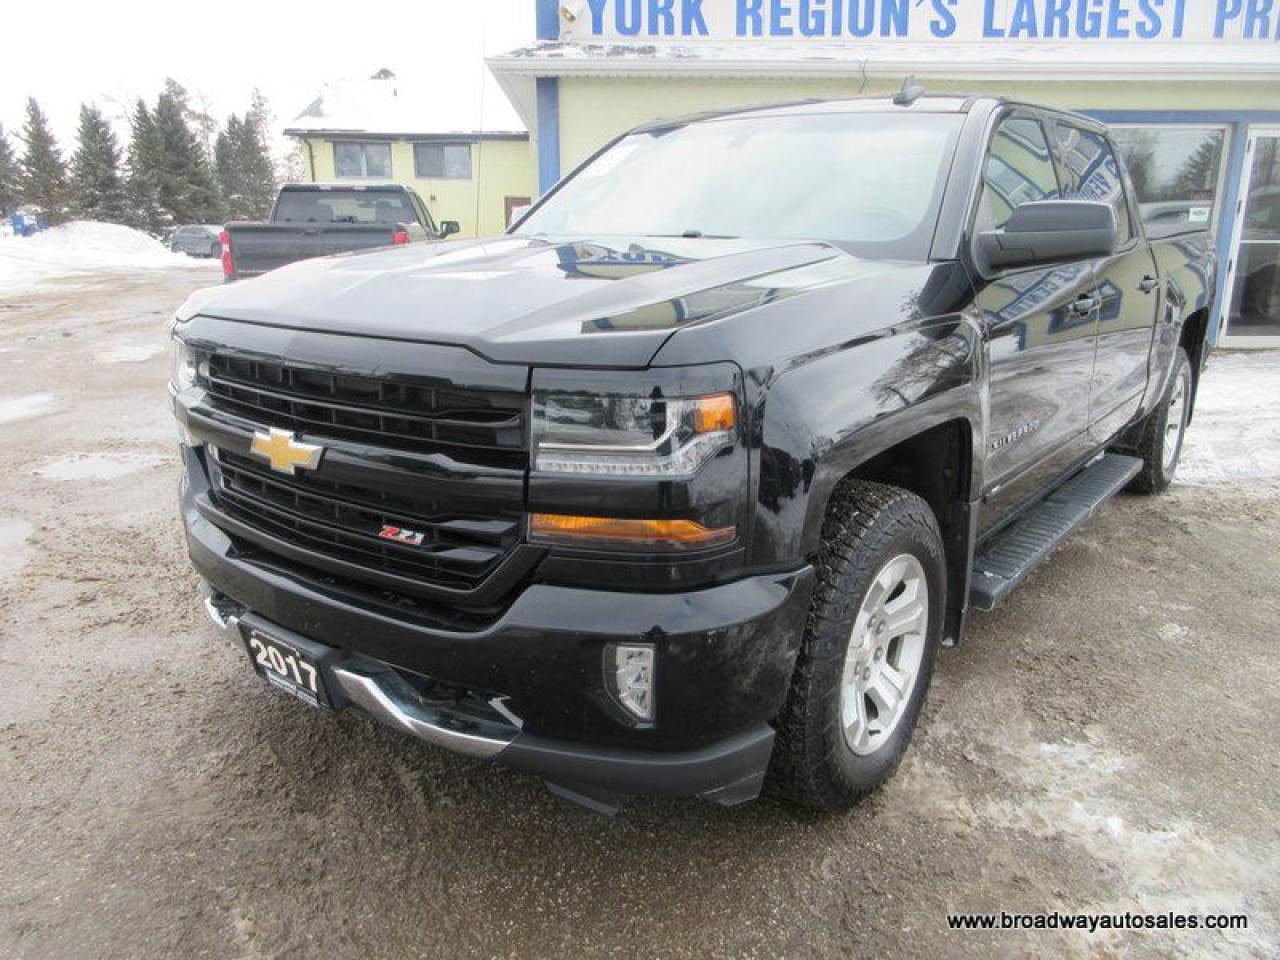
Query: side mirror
x: 1049, y: 231
x: 449, y: 227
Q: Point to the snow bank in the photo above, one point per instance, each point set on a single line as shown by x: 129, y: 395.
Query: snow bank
x: 81, y: 247
x: 1234, y: 436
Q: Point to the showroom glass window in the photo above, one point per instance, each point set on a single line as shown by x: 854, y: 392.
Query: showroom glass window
x: 1176, y: 173
x: 362, y: 159
x: 442, y: 161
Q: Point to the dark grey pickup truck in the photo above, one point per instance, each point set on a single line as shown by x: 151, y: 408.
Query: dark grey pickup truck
x: 320, y: 219
x: 681, y: 486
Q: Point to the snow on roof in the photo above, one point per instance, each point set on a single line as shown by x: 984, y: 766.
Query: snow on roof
x: 389, y: 106
x: 552, y: 57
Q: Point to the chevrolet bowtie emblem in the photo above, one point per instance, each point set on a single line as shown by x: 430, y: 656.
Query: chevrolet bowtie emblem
x: 285, y: 454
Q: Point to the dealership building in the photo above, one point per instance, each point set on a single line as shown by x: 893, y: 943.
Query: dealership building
x: 1191, y: 87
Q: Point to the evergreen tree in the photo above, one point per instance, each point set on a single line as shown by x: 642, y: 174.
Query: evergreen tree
x: 9, y: 175
x: 145, y: 212
x: 97, y: 189
x: 43, y: 174
x: 184, y: 181
x: 226, y: 162
x: 1198, y: 174
x: 254, y: 157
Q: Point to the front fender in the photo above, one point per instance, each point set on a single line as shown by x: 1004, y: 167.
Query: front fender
x: 829, y: 412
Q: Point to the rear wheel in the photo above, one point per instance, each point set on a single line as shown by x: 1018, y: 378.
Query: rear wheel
x: 873, y: 631
x: 1160, y: 440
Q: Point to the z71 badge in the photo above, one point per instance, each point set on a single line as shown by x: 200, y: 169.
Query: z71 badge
x: 401, y: 535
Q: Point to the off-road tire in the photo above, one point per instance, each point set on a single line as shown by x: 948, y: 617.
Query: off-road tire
x: 1157, y: 471
x: 866, y: 525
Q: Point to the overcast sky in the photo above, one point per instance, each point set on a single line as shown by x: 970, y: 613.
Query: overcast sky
x: 110, y: 52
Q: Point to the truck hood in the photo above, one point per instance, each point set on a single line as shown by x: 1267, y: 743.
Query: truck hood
x: 529, y: 300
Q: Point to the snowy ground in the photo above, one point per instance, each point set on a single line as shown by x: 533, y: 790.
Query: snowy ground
x: 1235, y: 434
x: 82, y: 249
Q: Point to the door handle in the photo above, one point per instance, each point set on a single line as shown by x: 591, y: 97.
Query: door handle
x: 1148, y: 283
x: 1083, y: 306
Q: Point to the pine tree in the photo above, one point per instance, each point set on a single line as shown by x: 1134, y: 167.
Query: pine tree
x: 43, y: 174
x: 1198, y: 174
x: 142, y: 186
x: 226, y: 163
x: 254, y: 157
x: 97, y: 189
x: 10, y: 197
x: 184, y: 181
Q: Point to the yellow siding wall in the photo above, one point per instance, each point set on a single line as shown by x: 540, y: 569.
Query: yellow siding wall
x: 499, y: 168
x: 593, y: 110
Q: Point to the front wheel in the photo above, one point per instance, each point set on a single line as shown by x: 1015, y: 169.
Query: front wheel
x: 1160, y: 439
x: 873, y: 632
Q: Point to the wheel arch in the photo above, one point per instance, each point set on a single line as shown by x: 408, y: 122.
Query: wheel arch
x: 931, y: 454
x: 1193, y: 338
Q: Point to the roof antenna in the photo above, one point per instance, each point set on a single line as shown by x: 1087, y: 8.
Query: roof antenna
x: 910, y: 92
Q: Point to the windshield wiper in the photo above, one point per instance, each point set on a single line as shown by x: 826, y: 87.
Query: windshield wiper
x: 697, y: 235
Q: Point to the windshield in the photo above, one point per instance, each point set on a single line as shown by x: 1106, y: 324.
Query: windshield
x: 871, y: 181
x: 342, y: 206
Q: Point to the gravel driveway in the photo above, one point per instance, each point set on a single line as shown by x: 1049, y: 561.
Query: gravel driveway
x: 1108, y: 740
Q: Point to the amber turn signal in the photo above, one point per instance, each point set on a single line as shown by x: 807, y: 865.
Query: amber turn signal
x: 714, y: 413
x: 624, y: 532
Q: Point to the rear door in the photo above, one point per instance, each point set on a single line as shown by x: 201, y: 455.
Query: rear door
x: 1041, y: 325
x: 1126, y: 280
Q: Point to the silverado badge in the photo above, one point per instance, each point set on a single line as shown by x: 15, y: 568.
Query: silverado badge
x: 284, y: 452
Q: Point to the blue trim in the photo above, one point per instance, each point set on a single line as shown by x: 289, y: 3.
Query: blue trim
x: 548, y: 132
x: 1184, y: 116
x: 548, y: 19
x: 1237, y: 123
x: 1226, y: 222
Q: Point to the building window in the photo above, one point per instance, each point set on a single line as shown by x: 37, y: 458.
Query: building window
x: 362, y: 159
x: 442, y: 161
x: 1176, y: 174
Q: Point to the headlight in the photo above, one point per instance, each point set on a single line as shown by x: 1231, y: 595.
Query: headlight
x: 182, y: 372
x: 630, y: 436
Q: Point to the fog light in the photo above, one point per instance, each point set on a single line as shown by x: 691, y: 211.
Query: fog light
x: 633, y: 678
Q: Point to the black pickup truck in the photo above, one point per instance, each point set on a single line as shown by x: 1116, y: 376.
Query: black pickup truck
x: 680, y: 486
x: 321, y: 219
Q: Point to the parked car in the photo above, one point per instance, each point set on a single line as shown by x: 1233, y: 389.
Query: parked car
x: 686, y: 481
x: 197, y: 240
x: 320, y: 219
